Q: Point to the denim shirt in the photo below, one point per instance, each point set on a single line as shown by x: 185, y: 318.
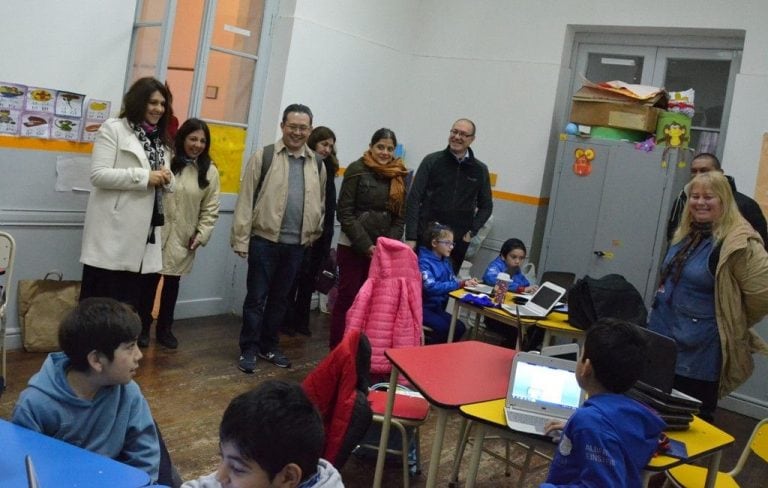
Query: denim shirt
x: 685, y: 311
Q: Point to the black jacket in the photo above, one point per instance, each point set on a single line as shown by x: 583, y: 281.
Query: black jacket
x: 748, y: 208
x: 457, y: 195
x: 362, y: 209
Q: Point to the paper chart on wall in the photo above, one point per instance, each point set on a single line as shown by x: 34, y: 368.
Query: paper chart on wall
x: 73, y: 173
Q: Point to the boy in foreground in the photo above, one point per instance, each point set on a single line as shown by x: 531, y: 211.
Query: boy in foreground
x: 86, y: 396
x: 271, y: 437
x: 610, y: 439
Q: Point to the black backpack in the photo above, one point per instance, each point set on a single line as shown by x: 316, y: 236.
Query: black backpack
x: 590, y: 299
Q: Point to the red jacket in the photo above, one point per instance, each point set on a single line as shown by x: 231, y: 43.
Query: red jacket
x: 332, y: 387
x: 388, y: 306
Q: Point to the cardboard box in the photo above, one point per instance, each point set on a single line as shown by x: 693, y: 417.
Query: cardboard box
x: 620, y: 115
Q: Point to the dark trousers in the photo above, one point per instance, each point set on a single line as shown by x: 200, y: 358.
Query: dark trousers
x: 353, y: 271
x: 440, y: 323
x: 509, y: 332
x: 123, y: 286
x: 272, y: 267
x: 300, y: 296
x: 168, y: 297
x: 706, y: 391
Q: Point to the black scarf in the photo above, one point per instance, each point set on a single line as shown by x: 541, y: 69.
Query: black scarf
x: 699, y: 232
x: 153, y: 147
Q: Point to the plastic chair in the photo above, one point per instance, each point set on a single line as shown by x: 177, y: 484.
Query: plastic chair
x: 7, y: 255
x: 691, y: 476
x: 408, y: 412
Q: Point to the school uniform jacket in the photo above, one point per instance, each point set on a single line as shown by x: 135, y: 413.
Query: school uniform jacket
x: 119, y: 212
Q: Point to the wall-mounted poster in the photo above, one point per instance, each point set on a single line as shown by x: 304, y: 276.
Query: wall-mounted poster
x: 90, y: 128
x: 69, y: 104
x: 9, y: 121
x: 41, y: 100
x: 67, y: 128
x: 12, y: 95
x: 97, y: 110
x: 36, y: 124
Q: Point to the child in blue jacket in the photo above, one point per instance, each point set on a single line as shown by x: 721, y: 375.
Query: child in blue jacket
x: 438, y: 281
x: 609, y: 440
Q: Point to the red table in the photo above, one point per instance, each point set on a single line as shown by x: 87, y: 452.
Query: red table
x: 448, y: 375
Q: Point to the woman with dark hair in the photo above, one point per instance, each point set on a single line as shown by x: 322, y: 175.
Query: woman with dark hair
x: 712, y: 291
x: 191, y: 212
x: 322, y: 140
x: 371, y: 205
x: 129, y: 173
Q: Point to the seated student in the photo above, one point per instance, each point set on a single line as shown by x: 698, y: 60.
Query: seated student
x: 610, y: 438
x: 85, y: 394
x: 438, y: 281
x: 271, y: 436
x: 509, y: 260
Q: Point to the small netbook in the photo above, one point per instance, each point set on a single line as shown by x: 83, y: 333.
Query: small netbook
x: 540, y: 304
x: 31, y: 473
x: 541, y: 388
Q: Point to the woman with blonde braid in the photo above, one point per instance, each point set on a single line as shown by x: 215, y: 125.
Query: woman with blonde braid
x: 371, y: 205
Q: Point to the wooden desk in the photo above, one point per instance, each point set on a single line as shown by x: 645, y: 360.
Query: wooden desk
x: 701, y: 440
x: 554, y: 324
x: 59, y: 463
x: 448, y: 375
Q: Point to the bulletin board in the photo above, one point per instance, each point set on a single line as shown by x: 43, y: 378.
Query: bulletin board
x: 227, y: 147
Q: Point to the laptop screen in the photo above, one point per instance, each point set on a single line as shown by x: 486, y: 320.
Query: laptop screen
x: 545, y: 386
x: 545, y: 297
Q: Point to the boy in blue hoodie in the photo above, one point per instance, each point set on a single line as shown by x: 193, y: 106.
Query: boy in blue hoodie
x: 86, y: 396
x: 609, y: 440
x: 270, y: 437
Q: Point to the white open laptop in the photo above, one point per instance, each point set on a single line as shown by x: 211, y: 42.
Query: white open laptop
x: 540, y: 304
x: 541, y: 388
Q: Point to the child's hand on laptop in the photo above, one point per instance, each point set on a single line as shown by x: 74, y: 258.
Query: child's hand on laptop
x: 554, y: 429
x: 531, y: 289
x: 469, y: 282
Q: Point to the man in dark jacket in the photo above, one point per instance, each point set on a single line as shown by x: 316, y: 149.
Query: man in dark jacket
x: 453, y: 188
x: 749, y: 209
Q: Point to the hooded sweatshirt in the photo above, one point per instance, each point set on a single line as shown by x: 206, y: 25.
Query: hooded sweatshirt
x: 325, y: 477
x: 607, y: 442
x: 116, y: 423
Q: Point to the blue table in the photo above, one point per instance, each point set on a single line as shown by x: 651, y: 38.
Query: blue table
x: 59, y: 464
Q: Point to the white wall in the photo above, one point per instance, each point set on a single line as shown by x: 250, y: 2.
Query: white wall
x: 419, y: 65
x: 78, y: 46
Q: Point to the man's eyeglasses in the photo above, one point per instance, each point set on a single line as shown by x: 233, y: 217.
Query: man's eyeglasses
x: 447, y: 243
x: 460, y: 133
x: 297, y: 128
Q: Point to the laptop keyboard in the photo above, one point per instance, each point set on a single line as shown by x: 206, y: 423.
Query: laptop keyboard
x: 536, y: 421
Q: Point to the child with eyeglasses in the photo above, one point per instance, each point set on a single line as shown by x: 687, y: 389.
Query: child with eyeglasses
x: 438, y: 281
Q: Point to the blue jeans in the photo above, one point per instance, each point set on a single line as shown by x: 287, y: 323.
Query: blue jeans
x: 272, y: 268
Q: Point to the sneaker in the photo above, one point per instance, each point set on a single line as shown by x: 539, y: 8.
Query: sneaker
x: 247, y: 362
x: 166, y: 338
x: 277, y: 358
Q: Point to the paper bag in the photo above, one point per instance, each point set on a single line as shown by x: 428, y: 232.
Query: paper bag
x: 42, y: 306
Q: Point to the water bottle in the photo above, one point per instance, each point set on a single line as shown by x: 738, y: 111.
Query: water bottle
x: 500, y: 291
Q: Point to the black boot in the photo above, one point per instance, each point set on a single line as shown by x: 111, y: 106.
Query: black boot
x: 166, y: 338
x: 143, y: 340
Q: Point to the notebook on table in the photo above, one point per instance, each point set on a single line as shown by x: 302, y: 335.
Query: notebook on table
x: 480, y: 288
x: 540, y: 304
x: 541, y: 388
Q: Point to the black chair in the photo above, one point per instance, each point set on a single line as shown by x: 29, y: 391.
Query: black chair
x: 535, y: 335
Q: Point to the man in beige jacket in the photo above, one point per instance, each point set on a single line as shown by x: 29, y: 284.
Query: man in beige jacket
x: 278, y: 214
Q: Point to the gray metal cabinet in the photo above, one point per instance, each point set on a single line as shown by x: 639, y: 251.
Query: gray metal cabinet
x: 613, y: 219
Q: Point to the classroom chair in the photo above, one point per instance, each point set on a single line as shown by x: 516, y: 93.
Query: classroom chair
x: 409, y: 413
x: 692, y: 476
x: 7, y: 256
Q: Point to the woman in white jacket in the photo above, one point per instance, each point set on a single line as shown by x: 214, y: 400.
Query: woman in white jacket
x: 191, y: 212
x: 129, y: 173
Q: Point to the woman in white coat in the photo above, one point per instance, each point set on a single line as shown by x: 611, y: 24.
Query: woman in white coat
x: 191, y: 212
x: 129, y: 173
